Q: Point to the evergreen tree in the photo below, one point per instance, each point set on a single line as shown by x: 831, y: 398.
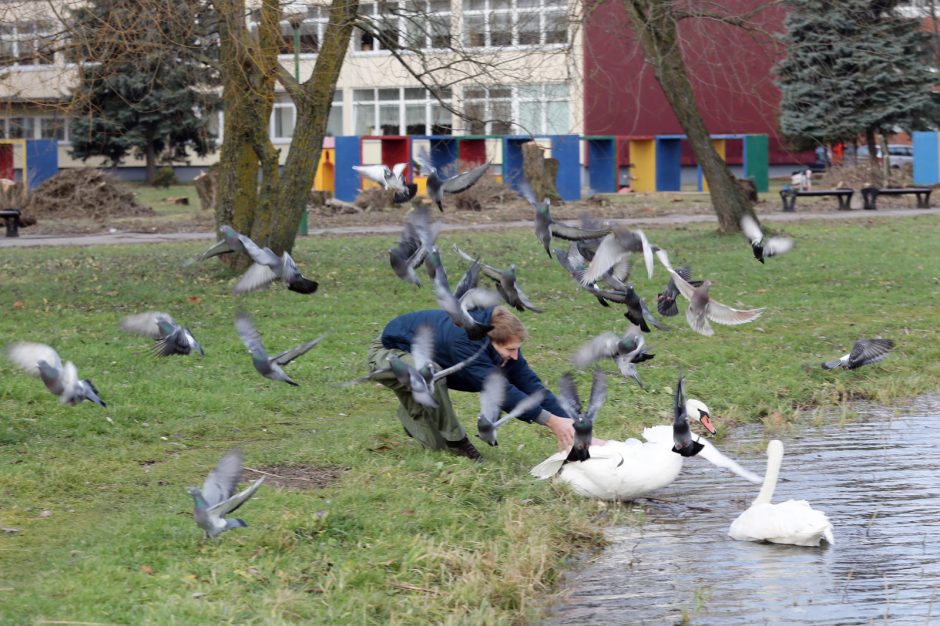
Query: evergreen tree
x: 139, y: 96
x: 852, y: 68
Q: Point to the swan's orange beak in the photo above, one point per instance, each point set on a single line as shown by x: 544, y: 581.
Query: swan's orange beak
x: 707, y: 423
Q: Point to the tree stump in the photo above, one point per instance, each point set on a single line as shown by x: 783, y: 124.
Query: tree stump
x: 540, y: 172
x: 207, y: 186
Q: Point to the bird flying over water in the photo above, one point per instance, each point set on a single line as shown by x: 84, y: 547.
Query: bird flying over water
x: 864, y: 352
x: 41, y: 361
x: 171, y: 338
x: 269, y: 367
x: 218, y: 498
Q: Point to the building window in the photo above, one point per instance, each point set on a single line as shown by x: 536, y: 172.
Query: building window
x: 283, y: 119
x: 311, y: 31
x: 500, y: 23
x: 26, y: 43
x: 53, y: 128
x: 519, y: 109
x: 401, y: 111
x: 334, y: 125
x: 413, y: 24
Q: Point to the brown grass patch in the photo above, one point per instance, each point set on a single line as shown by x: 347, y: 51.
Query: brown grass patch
x: 298, y: 476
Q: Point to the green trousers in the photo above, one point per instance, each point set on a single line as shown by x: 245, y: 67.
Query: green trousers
x: 432, y: 427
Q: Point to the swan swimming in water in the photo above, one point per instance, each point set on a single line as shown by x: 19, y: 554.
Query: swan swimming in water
x: 792, y: 522
x: 631, y: 469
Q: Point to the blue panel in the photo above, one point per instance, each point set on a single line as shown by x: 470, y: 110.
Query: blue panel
x: 566, y: 149
x: 926, y: 158
x: 347, y: 180
x: 668, y: 163
x: 512, y: 160
x: 602, y: 164
x: 42, y: 161
x: 443, y: 153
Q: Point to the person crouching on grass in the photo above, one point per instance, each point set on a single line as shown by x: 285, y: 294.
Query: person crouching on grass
x: 439, y: 428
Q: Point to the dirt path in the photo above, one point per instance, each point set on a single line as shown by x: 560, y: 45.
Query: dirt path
x: 133, y: 238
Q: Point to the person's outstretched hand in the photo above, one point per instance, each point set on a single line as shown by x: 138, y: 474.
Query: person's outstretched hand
x: 563, y: 430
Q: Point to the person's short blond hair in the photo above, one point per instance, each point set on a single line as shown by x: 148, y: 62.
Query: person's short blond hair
x: 506, y: 327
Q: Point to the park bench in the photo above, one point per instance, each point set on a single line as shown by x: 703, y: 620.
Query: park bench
x: 789, y: 197
x: 870, y: 195
x: 12, y: 219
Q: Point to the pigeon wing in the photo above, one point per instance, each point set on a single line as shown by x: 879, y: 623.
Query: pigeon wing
x: 568, y: 396
x: 27, y: 355
x: 608, y: 253
x: 601, y: 346
x: 255, y: 277
x: 231, y: 504
x: 422, y: 347
x: 530, y: 402
x: 462, y: 364
x: 493, y: 395
x: 574, y: 233
x: 222, y: 480
x: 146, y: 324
x: 598, y: 395
x: 249, y: 335
x: 867, y: 351
x: 289, y: 355
x: 469, y: 280
x: 751, y: 229
x: 776, y: 246
x: 724, y: 314
x: 465, y: 180
x: 374, y: 173
x: 480, y: 298
x: 488, y: 270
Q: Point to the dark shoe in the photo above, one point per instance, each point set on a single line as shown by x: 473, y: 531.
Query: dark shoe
x: 465, y: 448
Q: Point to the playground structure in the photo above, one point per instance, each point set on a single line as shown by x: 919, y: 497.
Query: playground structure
x: 38, y: 158
x: 926, y: 158
x: 654, y: 162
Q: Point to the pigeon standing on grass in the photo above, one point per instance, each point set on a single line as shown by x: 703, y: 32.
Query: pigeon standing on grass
x: 864, y: 352
x: 216, y: 500
x: 763, y: 247
x: 457, y: 183
x: 42, y: 361
x: 269, y: 367
x: 491, y: 402
x: 171, y: 338
x: 583, y: 420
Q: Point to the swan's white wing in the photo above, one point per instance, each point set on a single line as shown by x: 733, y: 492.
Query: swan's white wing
x: 711, y: 454
x: 550, y: 466
x: 27, y: 355
x: 661, y: 434
x: 724, y: 314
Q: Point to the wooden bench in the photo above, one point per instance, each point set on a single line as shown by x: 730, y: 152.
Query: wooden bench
x: 870, y: 195
x: 843, y: 195
x: 12, y: 219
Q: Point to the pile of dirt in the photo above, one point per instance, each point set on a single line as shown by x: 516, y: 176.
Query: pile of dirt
x: 83, y: 193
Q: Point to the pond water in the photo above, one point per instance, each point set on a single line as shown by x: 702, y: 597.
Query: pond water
x: 878, y: 480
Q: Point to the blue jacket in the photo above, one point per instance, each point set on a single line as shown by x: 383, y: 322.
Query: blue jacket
x: 451, y: 345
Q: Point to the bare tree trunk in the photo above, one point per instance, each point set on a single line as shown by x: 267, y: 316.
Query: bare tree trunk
x: 539, y: 171
x: 654, y: 22
x: 872, y: 156
x: 150, y: 169
x: 885, y: 161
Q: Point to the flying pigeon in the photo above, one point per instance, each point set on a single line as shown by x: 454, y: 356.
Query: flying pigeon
x: 681, y: 431
x: 392, y: 179
x: 491, y: 401
x: 613, y: 248
x: 626, y: 351
x: 269, y: 367
x: 268, y: 267
x: 457, y: 183
x: 171, y: 338
x: 546, y: 227
x: 231, y: 241
x: 408, y: 254
x: 702, y: 308
x: 763, y: 247
x: 506, y: 283
x: 41, y: 361
x: 216, y: 500
x: 458, y: 309
x: 666, y: 299
x: 583, y: 421
x: 864, y: 352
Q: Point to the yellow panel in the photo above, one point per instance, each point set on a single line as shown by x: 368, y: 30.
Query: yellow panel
x: 719, y: 145
x: 422, y: 183
x: 643, y: 165
x: 325, y: 177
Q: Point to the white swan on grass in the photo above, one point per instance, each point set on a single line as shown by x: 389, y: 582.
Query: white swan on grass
x: 631, y: 469
x: 792, y: 522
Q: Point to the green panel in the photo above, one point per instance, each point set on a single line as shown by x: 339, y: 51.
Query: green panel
x: 757, y: 160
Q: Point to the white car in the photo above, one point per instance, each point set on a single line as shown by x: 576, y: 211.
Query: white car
x: 898, y: 153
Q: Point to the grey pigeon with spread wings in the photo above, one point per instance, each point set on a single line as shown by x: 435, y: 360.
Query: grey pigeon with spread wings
x: 269, y: 367
x: 171, y: 338
x: 41, y: 361
x: 703, y: 308
x: 583, y: 419
x: 666, y: 299
x: 864, y: 352
x: 268, y: 267
x: 457, y: 183
x: 218, y: 498
x: 491, y: 402
x: 506, y: 283
x: 391, y: 179
x: 458, y: 304
x: 613, y: 248
x: 417, y: 238
x: 230, y: 242
x: 546, y: 227
x: 626, y: 351
x: 763, y: 247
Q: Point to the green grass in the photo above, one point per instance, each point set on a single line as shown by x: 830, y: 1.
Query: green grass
x: 160, y: 198
x: 406, y: 536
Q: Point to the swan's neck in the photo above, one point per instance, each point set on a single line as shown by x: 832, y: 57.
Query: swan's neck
x: 774, y: 460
